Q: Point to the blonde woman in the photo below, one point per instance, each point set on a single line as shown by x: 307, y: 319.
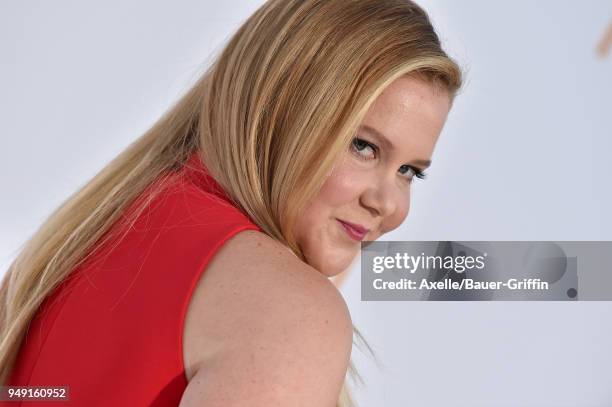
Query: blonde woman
x: 194, y: 270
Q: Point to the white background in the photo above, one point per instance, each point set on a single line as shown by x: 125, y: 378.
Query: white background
x: 524, y: 156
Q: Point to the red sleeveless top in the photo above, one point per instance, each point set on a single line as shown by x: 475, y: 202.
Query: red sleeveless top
x: 112, y: 331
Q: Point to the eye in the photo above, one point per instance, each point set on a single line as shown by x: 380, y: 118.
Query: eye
x: 362, y: 147
x: 413, y: 172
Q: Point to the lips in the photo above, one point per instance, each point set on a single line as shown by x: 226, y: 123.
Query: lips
x: 355, y: 232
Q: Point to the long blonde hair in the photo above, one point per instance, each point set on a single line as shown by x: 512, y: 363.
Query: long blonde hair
x: 288, y: 90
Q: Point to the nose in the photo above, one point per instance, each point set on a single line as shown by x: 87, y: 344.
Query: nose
x: 380, y: 198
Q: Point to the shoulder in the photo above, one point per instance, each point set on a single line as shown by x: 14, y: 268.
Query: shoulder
x: 252, y: 268
x: 262, y: 318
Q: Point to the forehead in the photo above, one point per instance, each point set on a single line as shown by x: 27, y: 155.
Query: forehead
x: 410, y: 113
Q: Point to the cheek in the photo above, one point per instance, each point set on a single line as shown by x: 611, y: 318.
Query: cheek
x: 339, y: 191
x: 317, y: 231
x: 341, y: 188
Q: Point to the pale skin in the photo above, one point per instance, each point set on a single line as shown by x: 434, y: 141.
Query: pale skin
x: 374, y: 193
x: 265, y: 329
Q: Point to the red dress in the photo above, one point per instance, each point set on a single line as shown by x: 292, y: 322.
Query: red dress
x: 112, y: 331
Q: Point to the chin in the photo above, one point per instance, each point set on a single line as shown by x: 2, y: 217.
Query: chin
x: 330, y: 264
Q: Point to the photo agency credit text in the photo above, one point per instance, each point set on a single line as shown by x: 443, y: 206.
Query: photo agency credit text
x: 457, y: 264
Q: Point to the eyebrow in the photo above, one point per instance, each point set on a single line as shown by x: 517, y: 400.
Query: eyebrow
x: 388, y: 144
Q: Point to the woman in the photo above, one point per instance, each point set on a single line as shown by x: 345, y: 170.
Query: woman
x: 194, y: 269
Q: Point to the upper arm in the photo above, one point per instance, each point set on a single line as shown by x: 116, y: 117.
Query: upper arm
x: 274, y: 331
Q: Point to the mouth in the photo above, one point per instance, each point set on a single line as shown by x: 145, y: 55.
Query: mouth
x: 355, y: 232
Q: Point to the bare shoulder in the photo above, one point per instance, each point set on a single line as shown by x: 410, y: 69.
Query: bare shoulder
x: 264, y: 327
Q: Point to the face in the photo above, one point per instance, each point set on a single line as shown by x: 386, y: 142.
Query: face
x: 368, y: 191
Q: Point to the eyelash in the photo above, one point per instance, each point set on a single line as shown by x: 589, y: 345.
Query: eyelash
x: 417, y: 173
